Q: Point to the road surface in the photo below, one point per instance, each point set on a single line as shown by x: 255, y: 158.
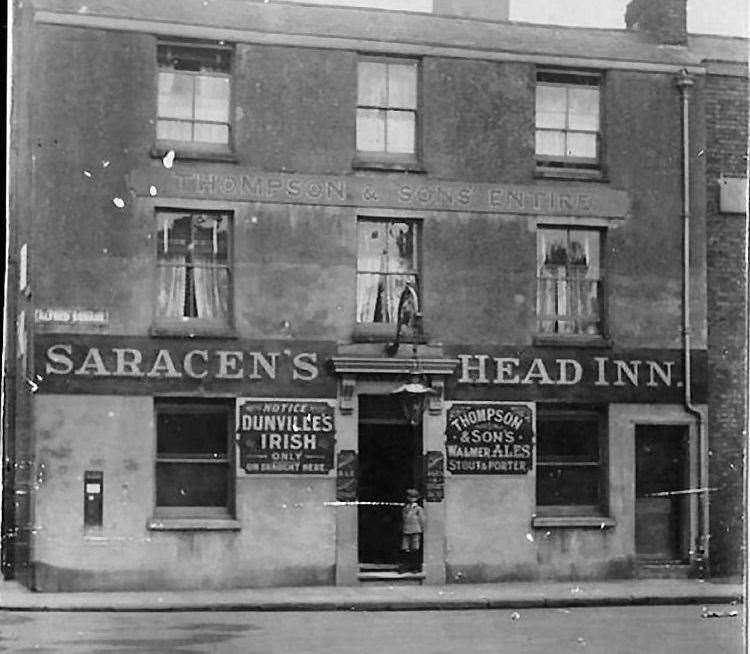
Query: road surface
x: 611, y: 630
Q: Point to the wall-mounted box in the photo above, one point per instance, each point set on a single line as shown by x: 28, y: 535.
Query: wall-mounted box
x: 733, y: 194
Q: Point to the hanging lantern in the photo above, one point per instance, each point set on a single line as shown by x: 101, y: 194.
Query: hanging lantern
x: 413, y: 397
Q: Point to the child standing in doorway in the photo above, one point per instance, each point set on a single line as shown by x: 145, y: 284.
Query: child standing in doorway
x: 412, y: 528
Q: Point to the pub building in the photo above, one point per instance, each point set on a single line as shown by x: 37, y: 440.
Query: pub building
x: 279, y: 263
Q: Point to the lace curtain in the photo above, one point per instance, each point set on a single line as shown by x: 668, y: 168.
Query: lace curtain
x: 386, y: 263
x: 193, y: 274
x: 568, y: 281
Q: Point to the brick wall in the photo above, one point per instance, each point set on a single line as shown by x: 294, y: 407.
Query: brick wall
x: 726, y: 138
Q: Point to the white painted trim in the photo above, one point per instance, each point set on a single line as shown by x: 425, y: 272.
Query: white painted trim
x: 164, y: 28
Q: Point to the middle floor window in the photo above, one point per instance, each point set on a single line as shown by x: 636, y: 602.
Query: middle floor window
x: 569, y: 281
x: 387, y: 260
x: 193, y: 268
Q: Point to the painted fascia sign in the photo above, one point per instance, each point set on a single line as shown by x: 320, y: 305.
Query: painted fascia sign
x: 281, y: 436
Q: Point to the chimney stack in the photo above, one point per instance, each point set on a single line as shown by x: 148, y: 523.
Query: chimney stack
x: 479, y: 9
x: 664, y: 20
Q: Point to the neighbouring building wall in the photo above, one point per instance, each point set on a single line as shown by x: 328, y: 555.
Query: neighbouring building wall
x: 726, y: 153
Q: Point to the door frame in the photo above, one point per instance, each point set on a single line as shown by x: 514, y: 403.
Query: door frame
x: 683, y: 539
x: 417, y: 433
x: 664, y: 416
x: 347, y: 526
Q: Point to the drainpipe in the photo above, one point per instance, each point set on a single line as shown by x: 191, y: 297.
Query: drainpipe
x: 685, y: 84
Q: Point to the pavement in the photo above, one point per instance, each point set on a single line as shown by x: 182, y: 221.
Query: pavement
x: 15, y: 597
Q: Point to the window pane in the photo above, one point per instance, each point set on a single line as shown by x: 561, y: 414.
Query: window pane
x: 191, y: 484
x: 371, y: 248
x: 581, y: 145
x: 371, y: 84
x: 210, y: 293
x: 584, y: 108
x: 584, y: 246
x: 212, y: 99
x: 394, y: 287
x: 192, y: 433
x: 402, y: 86
x: 551, y: 105
x: 402, y: 256
x: 401, y: 127
x: 569, y: 439
x: 174, y: 235
x: 175, y: 95
x: 211, y: 133
x: 172, y: 130
x: 210, y: 238
x: 551, y: 144
x: 553, y: 243
x: 370, y: 297
x: 171, y: 287
x: 370, y: 130
x: 567, y: 485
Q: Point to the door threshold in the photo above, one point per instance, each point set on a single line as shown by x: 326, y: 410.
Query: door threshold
x: 377, y: 567
x: 391, y: 578
x: 663, y: 569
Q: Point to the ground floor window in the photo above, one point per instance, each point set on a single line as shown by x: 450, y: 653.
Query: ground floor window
x: 571, y: 475
x: 193, y: 457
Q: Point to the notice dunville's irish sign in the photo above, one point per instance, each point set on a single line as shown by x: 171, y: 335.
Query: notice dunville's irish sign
x: 285, y: 436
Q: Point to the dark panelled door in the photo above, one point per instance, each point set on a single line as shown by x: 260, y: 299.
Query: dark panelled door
x: 661, y: 510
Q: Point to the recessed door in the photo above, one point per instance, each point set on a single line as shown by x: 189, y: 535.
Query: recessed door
x: 661, y: 502
x: 389, y: 463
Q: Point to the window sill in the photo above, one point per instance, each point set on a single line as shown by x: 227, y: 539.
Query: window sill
x: 188, y: 152
x: 393, y: 164
x: 585, y: 174
x: 571, y: 340
x: 193, y: 524
x: 184, y: 330
x: 588, y: 522
x: 382, y: 332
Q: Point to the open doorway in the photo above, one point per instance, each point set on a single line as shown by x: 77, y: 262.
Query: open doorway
x: 662, y: 507
x: 389, y: 462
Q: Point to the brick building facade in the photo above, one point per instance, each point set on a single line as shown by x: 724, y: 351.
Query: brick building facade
x: 726, y: 251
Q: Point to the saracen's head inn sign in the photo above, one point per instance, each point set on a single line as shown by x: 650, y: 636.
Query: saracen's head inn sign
x: 78, y: 363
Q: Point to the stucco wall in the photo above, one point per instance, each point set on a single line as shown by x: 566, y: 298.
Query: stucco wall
x: 294, y: 111
x: 490, y: 534
x: 116, y: 435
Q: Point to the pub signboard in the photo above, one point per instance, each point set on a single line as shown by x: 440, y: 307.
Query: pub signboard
x: 490, y: 438
x: 285, y: 436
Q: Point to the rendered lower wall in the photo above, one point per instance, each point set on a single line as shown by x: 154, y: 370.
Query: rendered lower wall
x: 490, y: 534
x: 286, y: 535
